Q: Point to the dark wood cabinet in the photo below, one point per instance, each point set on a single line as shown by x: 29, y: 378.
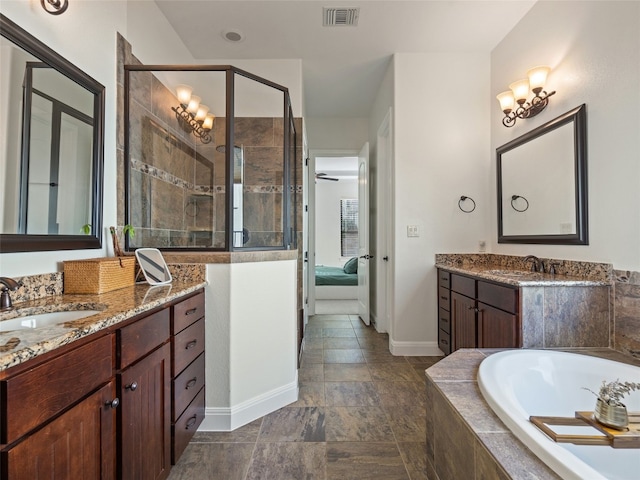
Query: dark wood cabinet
x: 474, y: 313
x: 187, y: 372
x: 78, y: 444
x: 58, y: 417
x: 144, y: 382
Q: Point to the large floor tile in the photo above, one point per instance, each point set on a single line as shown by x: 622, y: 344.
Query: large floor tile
x: 340, y: 342
x: 338, y: 332
x: 346, y: 372
x: 393, y: 372
x: 401, y: 393
x: 288, y: 461
x: 310, y: 394
x: 294, y: 424
x: 358, y: 461
x: 313, y: 372
x: 351, y: 394
x: 213, y: 461
x: 381, y: 356
x: 245, y: 434
x: 343, y: 356
x: 357, y: 424
x: 408, y: 422
x: 415, y: 459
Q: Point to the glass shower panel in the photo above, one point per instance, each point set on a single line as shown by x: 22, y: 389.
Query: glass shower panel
x: 259, y: 142
x: 176, y: 175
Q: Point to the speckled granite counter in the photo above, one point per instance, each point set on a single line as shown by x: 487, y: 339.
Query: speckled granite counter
x: 18, y: 346
x: 465, y: 439
x: 486, y: 266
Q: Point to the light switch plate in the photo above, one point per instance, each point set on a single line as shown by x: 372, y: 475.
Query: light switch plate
x: 412, y: 231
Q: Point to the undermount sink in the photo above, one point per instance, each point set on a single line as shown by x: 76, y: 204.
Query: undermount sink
x: 44, y: 319
x: 510, y: 273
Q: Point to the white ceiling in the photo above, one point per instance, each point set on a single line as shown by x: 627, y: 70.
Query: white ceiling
x: 343, y: 66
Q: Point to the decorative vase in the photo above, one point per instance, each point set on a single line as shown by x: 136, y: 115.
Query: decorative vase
x: 614, y: 416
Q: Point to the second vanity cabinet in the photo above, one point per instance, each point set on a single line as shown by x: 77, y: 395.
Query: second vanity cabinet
x: 474, y: 313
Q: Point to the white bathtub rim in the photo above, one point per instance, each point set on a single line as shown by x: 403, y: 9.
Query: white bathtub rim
x: 561, y: 461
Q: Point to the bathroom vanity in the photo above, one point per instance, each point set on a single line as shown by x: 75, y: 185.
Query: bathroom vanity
x: 114, y: 395
x: 495, y: 301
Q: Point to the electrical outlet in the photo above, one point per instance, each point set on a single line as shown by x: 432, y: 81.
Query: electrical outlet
x: 412, y: 231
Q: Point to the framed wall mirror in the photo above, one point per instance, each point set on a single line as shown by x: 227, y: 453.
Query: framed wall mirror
x: 542, y: 184
x: 51, y: 129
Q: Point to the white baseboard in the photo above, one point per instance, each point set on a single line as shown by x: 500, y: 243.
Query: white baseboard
x: 226, y: 419
x: 415, y: 349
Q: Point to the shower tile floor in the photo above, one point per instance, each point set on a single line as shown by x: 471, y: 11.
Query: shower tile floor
x: 360, y: 415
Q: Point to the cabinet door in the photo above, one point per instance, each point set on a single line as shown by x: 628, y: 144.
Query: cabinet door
x: 145, y: 422
x: 78, y: 444
x: 496, y: 329
x: 463, y: 320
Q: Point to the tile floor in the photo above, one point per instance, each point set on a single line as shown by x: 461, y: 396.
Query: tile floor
x: 360, y: 415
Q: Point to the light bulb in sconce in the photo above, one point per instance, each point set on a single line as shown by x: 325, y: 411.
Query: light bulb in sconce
x: 507, y: 101
x: 194, y: 104
x: 520, y: 89
x: 183, y: 92
x: 201, y: 113
x: 537, y: 78
x: 207, y: 124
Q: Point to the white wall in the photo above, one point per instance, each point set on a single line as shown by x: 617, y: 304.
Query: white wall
x: 595, y: 59
x: 336, y: 133
x: 328, y: 196
x: 441, y: 152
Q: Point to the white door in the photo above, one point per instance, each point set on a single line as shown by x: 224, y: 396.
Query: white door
x: 363, y: 234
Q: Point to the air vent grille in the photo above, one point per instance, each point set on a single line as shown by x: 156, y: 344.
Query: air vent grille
x: 340, y: 17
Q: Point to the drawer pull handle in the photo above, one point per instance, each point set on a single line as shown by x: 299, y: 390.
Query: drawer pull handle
x: 191, y: 311
x: 444, y: 320
x: 191, y: 344
x: 191, y: 422
x: 132, y: 386
x: 443, y: 298
x: 444, y: 342
x: 113, y: 403
x: 191, y: 383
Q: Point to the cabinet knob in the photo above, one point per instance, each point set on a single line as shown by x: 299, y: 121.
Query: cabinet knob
x: 113, y: 403
x: 471, y: 308
x: 132, y: 386
x: 191, y: 422
x: 191, y: 344
x: 191, y: 383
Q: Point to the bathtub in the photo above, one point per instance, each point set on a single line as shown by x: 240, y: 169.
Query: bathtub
x: 520, y: 383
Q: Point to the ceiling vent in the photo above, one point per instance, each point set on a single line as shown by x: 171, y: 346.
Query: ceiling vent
x: 340, y: 17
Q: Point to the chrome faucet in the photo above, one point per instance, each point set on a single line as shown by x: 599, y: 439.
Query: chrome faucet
x: 537, y: 265
x: 5, y: 298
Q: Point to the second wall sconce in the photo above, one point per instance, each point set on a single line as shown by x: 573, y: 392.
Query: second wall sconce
x: 192, y: 115
x: 519, y: 92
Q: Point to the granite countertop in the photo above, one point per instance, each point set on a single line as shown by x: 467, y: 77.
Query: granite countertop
x: 18, y: 346
x: 521, y: 278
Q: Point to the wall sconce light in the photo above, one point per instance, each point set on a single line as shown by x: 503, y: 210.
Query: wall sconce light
x: 193, y: 116
x: 54, y: 7
x: 518, y: 94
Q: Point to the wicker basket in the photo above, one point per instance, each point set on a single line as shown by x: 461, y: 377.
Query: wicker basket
x: 98, y: 275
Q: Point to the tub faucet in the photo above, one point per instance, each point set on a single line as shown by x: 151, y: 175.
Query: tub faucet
x: 537, y: 265
x: 5, y: 298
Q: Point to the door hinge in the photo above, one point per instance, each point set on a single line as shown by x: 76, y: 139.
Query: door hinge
x: 306, y: 208
x: 306, y: 162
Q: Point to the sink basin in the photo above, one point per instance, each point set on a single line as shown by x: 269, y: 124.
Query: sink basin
x: 44, y: 319
x: 510, y: 273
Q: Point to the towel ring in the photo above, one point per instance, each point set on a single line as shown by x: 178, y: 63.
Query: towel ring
x: 514, y: 198
x: 462, y: 199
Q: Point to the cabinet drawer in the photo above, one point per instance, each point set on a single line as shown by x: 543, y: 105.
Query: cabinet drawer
x: 443, y: 279
x: 139, y: 338
x: 187, y: 385
x: 187, y: 312
x: 36, y: 395
x: 444, y: 342
x: 187, y: 425
x: 443, y: 298
x: 504, y: 298
x: 444, y: 320
x: 187, y: 345
x: 464, y: 285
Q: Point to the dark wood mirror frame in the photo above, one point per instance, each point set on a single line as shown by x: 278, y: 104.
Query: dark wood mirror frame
x: 32, y: 243
x: 578, y: 117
